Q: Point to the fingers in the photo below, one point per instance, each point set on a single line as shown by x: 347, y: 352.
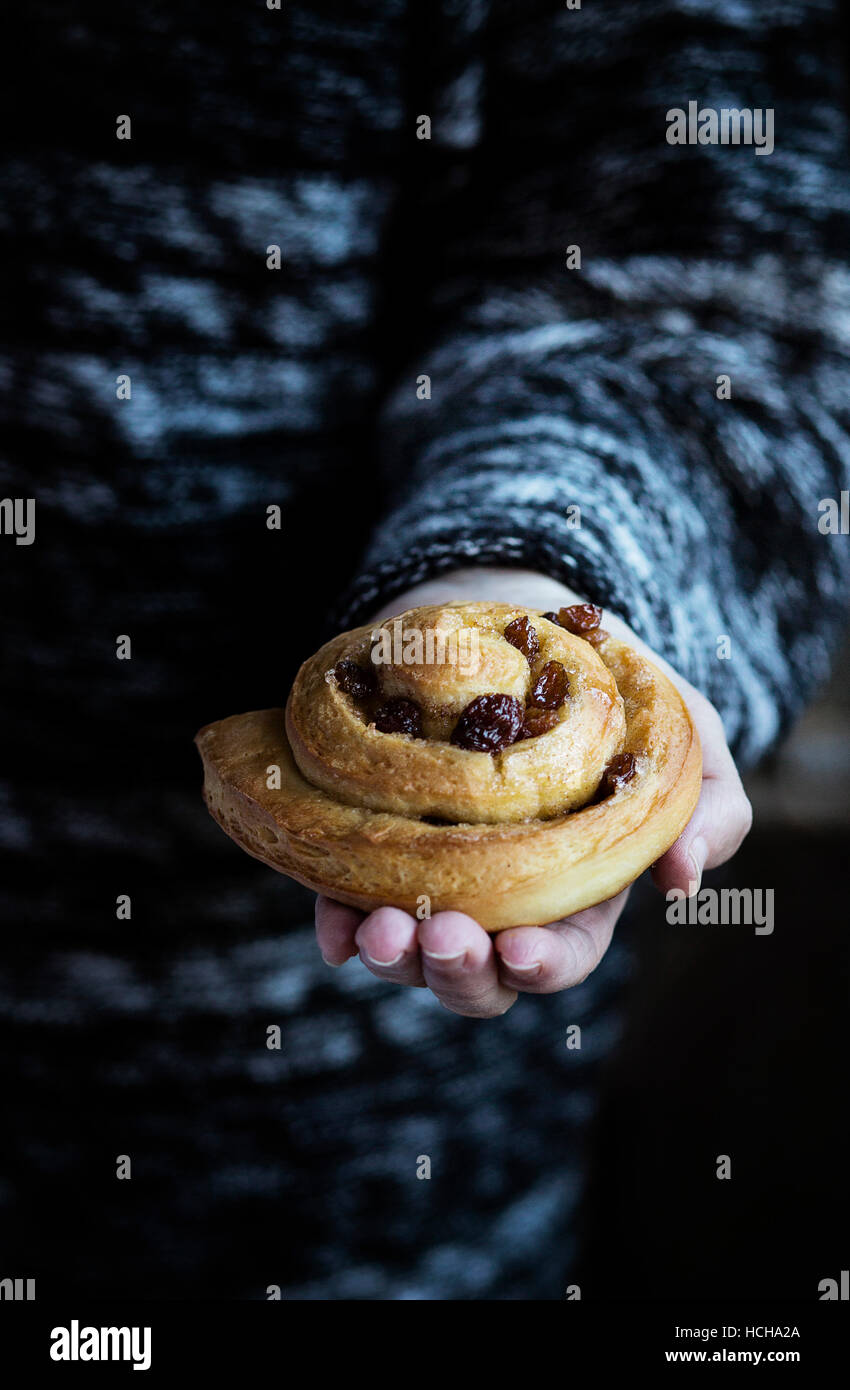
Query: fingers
x: 542, y: 960
x: 460, y: 966
x: 723, y: 816
x: 470, y: 971
x: 387, y: 943
x: 385, y: 940
x: 335, y: 929
x: 450, y: 953
x: 719, y: 824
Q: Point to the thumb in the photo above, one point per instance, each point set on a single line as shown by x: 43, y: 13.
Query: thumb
x: 720, y: 822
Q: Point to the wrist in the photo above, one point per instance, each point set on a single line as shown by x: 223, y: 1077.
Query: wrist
x: 492, y: 583
x: 504, y: 584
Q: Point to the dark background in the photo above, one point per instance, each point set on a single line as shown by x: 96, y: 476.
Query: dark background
x: 733, y: 1044
x: 737, y: 1044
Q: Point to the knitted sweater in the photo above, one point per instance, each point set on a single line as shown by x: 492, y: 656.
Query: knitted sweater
x: 675, y: 381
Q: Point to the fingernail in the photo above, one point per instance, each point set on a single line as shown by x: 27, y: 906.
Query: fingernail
x: 382, y: 964
x: 698, y: 854
x: 334, y: 963
x: 532, y: 965
x: 444, y: 958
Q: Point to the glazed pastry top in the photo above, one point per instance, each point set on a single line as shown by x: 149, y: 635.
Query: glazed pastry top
x: 459, y: 712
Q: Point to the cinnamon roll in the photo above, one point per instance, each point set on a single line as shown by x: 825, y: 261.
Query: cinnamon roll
x: 514, y: 765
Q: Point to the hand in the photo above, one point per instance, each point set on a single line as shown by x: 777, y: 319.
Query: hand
x: 478, y: 974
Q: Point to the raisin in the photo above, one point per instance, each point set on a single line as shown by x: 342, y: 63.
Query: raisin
x: 580, y: 618
x: 598, y: 637
x: 522, y: 635
x: 553, y: 618
x: 354, y: 680
x: 488, y: 724
x: 619, y: 771
x: 400, y: 717
x: 551, y: 688
x: 538, y: 721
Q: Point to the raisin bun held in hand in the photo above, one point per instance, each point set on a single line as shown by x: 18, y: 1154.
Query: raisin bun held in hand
x: 514, y: 765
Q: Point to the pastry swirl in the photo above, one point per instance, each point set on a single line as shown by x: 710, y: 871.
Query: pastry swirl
x: 371, y: 788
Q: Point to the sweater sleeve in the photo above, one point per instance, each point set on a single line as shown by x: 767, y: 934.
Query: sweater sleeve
x: 636, y: 351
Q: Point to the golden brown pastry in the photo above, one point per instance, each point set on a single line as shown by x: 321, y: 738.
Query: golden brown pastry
x: 512, y: 765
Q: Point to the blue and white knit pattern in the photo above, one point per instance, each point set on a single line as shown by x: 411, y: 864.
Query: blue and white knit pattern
x: 596, y: 387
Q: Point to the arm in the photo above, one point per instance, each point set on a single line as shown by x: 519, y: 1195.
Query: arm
x: 597, y: 387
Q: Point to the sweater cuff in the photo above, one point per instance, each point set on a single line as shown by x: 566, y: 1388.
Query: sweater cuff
x: 384, y: 574
x: 680, y: 621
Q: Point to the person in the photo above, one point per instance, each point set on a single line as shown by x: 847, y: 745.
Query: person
x: 431, y: 286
